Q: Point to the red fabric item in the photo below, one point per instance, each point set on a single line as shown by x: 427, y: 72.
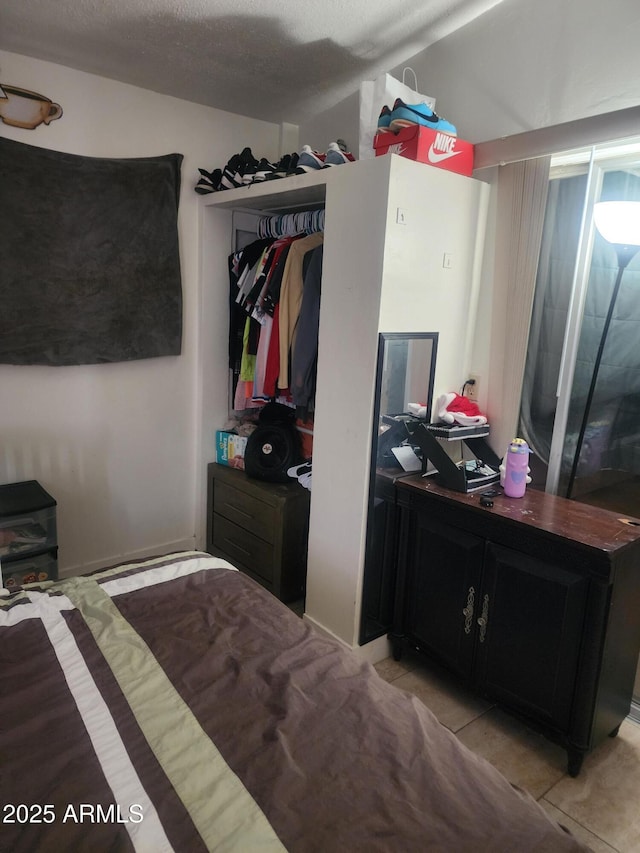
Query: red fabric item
x: 454, y: 408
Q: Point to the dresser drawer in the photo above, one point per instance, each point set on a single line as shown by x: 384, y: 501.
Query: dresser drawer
x: 260, y: 527
x: 246, y: 511
x: 242, y: 547
x: 23, y: 534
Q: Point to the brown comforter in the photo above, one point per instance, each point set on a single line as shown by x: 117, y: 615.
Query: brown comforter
x: 176, y: 705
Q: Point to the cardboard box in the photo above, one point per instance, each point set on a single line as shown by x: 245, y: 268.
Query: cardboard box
x: 230, y: 449
x: 428, y: 146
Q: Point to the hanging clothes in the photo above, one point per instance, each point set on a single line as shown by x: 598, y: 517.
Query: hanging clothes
x: 291, y: 299
x: 266, y: 293
x: 239, y: 262
x: 304, y: 357
x: 273, y: 357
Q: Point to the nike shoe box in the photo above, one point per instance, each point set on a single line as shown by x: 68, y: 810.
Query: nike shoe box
x: 428, y: 146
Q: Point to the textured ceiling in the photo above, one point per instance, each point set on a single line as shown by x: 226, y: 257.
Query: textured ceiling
x: 279, y: 60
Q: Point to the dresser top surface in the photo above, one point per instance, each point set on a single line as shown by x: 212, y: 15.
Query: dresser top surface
x: 578, y: 522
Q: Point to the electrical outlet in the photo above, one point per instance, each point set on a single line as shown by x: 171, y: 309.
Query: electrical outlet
x: 471, y: 391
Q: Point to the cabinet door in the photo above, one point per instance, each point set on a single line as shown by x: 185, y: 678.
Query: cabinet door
x: 443, y: 592
x: 532, y: 615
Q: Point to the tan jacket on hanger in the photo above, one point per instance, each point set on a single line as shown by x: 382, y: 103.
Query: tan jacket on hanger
x: 291, y: 299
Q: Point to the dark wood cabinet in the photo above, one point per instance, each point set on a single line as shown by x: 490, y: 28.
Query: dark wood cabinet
x: 443, y: 579
x: 262, y: 528
x: 536, y: 610
x: 534, y: 603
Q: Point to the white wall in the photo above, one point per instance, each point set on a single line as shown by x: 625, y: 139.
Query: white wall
x: 339, y: 122
x: 527, y: 64
x: 378, y: 275
x: 523, y: 65
x: 117, y: 444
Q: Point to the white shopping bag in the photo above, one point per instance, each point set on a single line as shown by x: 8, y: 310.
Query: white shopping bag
x: 374, y: 94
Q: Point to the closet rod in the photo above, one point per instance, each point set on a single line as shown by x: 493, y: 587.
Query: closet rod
x: 290, y: 224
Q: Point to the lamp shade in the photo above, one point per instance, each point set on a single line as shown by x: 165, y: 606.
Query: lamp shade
x: 618, y: 221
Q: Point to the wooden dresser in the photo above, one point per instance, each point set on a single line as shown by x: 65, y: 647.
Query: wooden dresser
x: 534, y: 603
x: 262, y: 528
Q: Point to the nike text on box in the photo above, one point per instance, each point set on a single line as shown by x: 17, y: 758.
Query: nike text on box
x: 428, y: 146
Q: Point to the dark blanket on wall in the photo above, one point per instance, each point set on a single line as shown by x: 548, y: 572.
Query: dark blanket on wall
x: 89, y: 257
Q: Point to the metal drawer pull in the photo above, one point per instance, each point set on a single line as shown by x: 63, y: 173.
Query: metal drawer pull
x: 238, y: 510
x: 468, y: 610
x: 484, y: 619
x: 238, y: 547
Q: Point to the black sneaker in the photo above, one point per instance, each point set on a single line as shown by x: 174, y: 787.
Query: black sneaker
x: 248, y: 165
x: 262, y: 171
x: 281, y: 168
x: 209, y: 181
x: 204, y: 186
x: 231, y: 175
x: 246, y: 155
x: 214, y: 176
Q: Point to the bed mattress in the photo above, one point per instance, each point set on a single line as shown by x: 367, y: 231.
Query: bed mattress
x: 174, y: 704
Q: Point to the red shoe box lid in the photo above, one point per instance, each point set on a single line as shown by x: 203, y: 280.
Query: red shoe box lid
x: 427, y: 146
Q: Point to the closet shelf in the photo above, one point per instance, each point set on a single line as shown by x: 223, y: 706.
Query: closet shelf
x: 280, y: 196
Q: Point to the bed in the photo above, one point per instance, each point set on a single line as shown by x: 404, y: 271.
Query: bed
x: 174, y: 704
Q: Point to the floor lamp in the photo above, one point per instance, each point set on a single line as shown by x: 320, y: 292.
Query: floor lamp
x: 619, y: 224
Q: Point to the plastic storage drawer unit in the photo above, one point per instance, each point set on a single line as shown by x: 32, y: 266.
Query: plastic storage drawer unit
x: 28, y: 537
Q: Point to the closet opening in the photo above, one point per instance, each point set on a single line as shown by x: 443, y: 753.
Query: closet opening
x: 259, y: 272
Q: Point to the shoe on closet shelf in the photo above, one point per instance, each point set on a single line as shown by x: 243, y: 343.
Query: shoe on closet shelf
x: 203, y: 187
x: 336, y: 155
x: 309, y: 160
x: 282, y: 168
x: 263, y: 170
x: 231, y: 175
x: 406, y: 115
x: 235, y: 170
x: 248, y: 166
x: 209, y: 181
x: 293, y: 164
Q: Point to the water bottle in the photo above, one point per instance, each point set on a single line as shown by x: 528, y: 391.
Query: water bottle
x: 516, y: 468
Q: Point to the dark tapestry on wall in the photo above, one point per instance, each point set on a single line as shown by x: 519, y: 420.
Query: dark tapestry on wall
x: 89, y: 257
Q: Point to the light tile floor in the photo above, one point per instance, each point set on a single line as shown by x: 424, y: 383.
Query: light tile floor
x: 601, y: 807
